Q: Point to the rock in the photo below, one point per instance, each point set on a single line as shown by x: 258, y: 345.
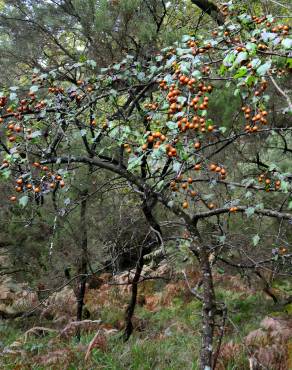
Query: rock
x: 61, y: 304
x: 15, y: 297
x: 87, y: 326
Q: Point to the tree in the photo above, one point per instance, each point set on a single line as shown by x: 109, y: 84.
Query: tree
x: 48, y: 34
x: 148, y: 122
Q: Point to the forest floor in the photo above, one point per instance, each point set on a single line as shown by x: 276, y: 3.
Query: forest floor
x: 166, y: 334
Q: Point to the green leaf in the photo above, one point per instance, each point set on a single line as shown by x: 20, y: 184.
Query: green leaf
x: 185, y: 67
x: 176, y: 166
x: 223, y: 129
x: 207, y: 196
x: 241, y: 57
x: 117, y: 67
x: 159, y: 186
x: 6, y: 174
x: 34, y: 88
x: 222, y: 70
x: 263, y: 69
x: 273, y: 167
x: 249, y: 211
x: 186, y: 38
x: 91, y: 63
x: 287, y: 43
x: 171, y: 125
x: 181, y: 99
x: 229, y: 59
x: 23, y: 201
x: 141, y: 76
x: 134, y: 162
x: 285, y: 186
x: 255, y: 63
x: 222, y: 239
x: 255, y: 240
x: 242, y: 71
x: 82, y: 58
x: 114, y: 93
x: 236, y: 92
x: 250, y: 46
x: 36, y: 134
x: 13, y: 96
x: 197, y: 74
x: 250, y: 80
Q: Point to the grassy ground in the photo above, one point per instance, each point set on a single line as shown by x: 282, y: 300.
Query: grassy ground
x: 167, y: 339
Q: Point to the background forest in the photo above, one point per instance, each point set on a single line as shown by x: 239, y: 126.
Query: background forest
x: 146, y: 184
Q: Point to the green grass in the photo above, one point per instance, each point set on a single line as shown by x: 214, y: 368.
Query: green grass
x: 169, y: 339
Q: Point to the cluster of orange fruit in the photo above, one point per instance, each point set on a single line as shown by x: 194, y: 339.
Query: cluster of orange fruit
x: 163, y: 85
x: 220, y: 170
x: 56, y: 90
x: 15, y: 128
x: 89, y: 88
x: 263, y: 86
x: 209, y: 205
x: 282, y: 28
x: 171, y: 151
x: 3, y: 101
x: 196, y: 49
x: 173, y: 94
x: 154, y: 139
x: 268, y: 182
x: 259, y: 20
x: 179, y: 99
x: 283, y: 250
x: 127, y: 147
x: 52, y: 180
x: 151, y: 106
x: 185, y: 184
x: 77, y: 97
x: 257, y: 117
x: 25, y: 106
x: 5, y: 164
x: 190, y: 83
x: 199, y: 102
x: 197, y: 123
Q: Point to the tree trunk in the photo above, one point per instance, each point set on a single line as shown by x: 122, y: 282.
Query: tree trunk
x: 210, y: 8
x: 147, y: 210
x: 82, y: 270
x: 208, y: 312
x: 132, y: 304
x: 208, y: 300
